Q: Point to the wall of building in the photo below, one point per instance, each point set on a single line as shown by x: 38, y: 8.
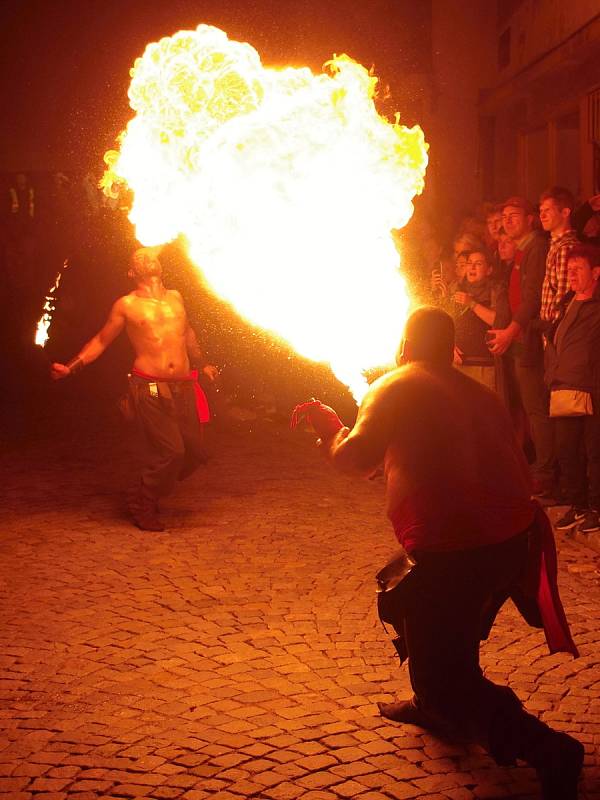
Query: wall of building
x: 534, y: 113
x: 537, y: 26
x: 463, y: 41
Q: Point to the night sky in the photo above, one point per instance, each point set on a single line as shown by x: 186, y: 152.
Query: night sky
x: 66, y: 62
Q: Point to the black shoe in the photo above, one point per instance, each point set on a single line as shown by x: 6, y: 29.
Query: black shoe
x: 147, y: 520
x: 144, y: 511
x: 561, y: 766
x: 591, y: 522
x: 569, y: 519
x: 406, y: 711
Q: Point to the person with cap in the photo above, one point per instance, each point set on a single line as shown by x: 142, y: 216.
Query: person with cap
x: 522, y: 337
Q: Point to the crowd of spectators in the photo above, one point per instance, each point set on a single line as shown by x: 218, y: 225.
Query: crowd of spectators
x: 522, y: 284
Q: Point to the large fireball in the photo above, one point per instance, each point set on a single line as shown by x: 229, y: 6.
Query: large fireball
x: 285, y: 187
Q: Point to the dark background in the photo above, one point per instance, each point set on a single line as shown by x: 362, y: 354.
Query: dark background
x: 66, y: 63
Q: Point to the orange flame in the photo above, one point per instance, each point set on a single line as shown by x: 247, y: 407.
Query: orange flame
x: 285, y: 186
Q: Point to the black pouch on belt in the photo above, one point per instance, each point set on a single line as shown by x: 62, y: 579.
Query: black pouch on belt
x: 394, y: 582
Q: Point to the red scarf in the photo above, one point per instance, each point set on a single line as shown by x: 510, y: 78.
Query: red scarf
x: 201, y: 401
x: 514, y: 282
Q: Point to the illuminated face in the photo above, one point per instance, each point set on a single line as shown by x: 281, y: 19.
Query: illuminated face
x: 494, y: 223
x: 506, y: 247
x: 460, y: 265
x: 551, y: 216
x: 582, y: 277
x: 516, y: 222
x: 477, y: 268
x: 145, y: 264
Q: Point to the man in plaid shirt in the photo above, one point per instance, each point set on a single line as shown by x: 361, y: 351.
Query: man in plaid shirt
x: 556, y: 205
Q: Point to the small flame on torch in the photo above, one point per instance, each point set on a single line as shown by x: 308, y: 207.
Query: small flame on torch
x: 41, y: 333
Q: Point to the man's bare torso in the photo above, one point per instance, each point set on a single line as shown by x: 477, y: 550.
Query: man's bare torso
x: 451, y: 432
x: 157, y: 330
x: 434, y: 430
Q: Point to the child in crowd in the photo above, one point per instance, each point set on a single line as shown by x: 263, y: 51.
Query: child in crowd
x: 480, y: 303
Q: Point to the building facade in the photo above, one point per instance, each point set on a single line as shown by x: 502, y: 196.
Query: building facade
x: 539, y: 118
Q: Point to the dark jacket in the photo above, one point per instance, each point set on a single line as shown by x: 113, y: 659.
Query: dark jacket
x: 532, y: 271
x: 575, y: 364
x: 471, y: 330
x: 580, y: 218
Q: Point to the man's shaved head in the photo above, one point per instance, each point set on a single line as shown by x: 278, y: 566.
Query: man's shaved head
x: 429, y: 336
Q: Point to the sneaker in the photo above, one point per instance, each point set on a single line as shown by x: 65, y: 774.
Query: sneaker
x: 147, y: 520
x: 591, y: 522
x: 569, y: 519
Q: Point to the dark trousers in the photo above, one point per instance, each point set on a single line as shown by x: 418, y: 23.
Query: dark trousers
x: 578, y: 452
x: 535, y: 397
x: 452, y: 593
x: 171, y: 430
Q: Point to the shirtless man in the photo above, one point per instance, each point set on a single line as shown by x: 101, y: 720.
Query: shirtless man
x: 459, y: 498
x: 166, y: 396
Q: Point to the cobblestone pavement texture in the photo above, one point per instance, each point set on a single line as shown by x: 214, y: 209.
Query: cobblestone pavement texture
x: 238, y: 654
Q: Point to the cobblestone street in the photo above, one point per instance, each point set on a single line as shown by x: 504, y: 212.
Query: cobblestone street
x: 238, y: 654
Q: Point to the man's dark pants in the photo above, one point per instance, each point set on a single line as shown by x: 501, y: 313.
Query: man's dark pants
x: 535, y: 397
x: 172, y: 433
x: 453, y: 593
x: 578, y: 452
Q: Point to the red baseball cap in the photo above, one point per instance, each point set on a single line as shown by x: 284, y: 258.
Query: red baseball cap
x: 519, y: 202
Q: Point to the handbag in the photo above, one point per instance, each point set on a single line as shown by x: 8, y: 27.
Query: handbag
x: 570, y: 403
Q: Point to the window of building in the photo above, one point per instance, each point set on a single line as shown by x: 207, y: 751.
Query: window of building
x: 594, y: 116
x: 506, y: 8
x: 567, y: 152
x: 504, y: 49
x: 593, y: 113
x: 537, y: 176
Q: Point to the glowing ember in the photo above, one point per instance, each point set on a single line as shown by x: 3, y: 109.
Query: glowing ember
x: 41, y: 333
x: 285, y: 186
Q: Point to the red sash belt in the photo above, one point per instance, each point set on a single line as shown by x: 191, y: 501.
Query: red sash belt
x: 540, y: 582
x: 192, y: 377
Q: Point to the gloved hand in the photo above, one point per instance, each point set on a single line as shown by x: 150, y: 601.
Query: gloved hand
x: 322, y: 418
